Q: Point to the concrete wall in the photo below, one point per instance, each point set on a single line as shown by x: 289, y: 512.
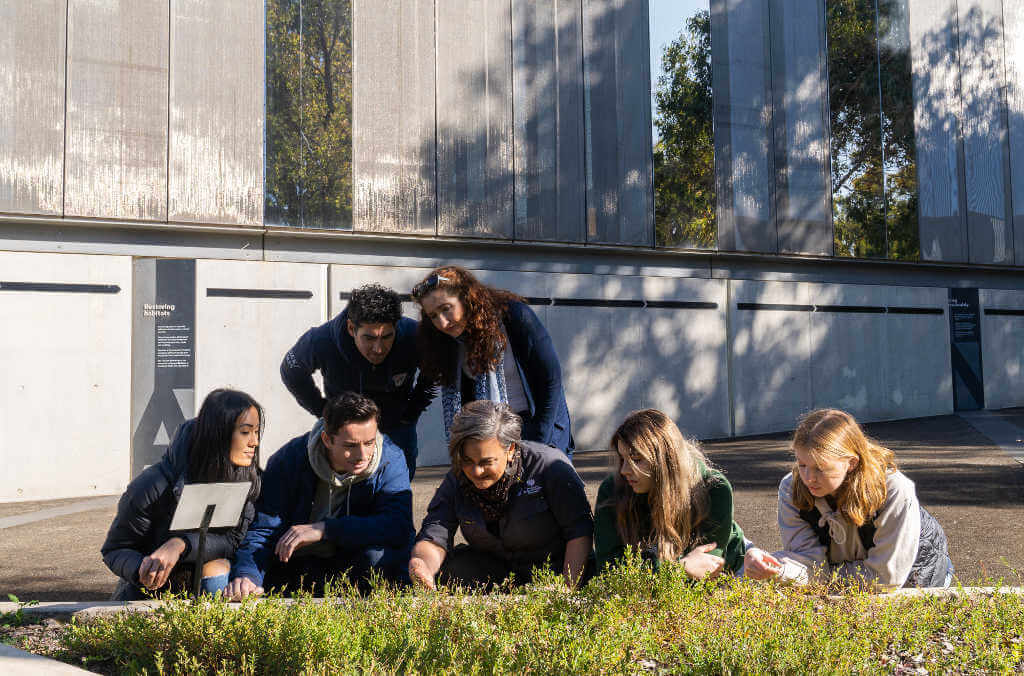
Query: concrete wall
x: 1002, y: 347
x: 65, y: 356
x: 722, y: 356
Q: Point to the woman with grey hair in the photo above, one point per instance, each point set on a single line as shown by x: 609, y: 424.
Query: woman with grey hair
x: 520, y: 505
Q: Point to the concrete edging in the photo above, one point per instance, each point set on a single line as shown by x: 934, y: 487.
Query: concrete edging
x: 17, y: 662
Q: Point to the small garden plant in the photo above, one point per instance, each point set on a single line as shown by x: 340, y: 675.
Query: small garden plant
x: 628, y: 620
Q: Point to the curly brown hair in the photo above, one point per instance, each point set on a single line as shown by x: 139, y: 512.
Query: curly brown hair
x: 484, y: 337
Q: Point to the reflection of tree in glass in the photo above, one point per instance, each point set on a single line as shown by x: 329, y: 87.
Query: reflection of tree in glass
x: 309, y: 113
x: 871, y: 109
x: 684, y: 158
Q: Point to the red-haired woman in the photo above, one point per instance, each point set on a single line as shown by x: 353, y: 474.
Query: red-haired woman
x: 486, y: 343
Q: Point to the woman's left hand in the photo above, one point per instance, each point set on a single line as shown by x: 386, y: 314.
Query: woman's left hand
x: 700, y: 564
x: 156, y: 568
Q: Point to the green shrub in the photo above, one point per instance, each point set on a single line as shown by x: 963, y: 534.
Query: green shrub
x: 628, y: 620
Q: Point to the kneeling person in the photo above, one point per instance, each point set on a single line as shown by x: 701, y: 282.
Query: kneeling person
x: 335, y: 500
x: 520, y: 505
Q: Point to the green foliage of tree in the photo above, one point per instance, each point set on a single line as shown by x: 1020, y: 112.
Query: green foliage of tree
x: 684, y: 155
x: 309, y: 113
x: 874, y: 182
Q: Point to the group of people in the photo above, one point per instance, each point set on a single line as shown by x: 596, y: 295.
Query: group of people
x: 337, y: 500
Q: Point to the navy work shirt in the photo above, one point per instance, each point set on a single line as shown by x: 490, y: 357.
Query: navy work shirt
x: 548, y: 507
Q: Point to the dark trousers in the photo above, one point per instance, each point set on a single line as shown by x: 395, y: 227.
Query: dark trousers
x: 404, y: 437
x: 311, y: 573
x: 468, y: 567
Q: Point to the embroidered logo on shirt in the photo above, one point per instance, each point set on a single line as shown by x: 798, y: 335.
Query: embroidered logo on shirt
x: 530, y: 488
x: 398, y: 379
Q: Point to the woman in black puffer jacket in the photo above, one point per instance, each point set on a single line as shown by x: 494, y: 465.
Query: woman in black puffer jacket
x: 220, y: 445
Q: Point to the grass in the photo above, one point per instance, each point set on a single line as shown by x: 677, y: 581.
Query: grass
x: 625, y: 621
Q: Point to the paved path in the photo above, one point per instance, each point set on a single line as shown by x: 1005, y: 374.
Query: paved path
x: 969, y: 481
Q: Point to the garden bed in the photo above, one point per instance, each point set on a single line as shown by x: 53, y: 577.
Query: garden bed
x: 626, y: 621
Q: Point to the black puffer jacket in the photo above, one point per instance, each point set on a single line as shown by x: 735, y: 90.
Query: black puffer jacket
x: 145, y: 511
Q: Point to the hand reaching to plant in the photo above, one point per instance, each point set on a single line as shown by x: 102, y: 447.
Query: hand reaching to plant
x: 420, y: 573
x: 760, y: 565
x: 156, y: 568
x: 699, y: 563
x: 241, y: 587
x: 297, y: 536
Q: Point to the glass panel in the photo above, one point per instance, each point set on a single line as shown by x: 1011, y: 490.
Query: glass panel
x: 898, y: 130
x: 858, y: 205
x: 684, y: 158
x: 309, y: 113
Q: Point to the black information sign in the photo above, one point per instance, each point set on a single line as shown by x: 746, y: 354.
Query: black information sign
x: 163, y: 355
x: 965, y: 349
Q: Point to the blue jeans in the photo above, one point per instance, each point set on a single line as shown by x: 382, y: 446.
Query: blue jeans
x: 404, y: 437
x: 212, y: 585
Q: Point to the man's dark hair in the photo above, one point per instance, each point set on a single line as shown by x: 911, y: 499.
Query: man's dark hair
x: 374, y: 304
x: 348, y: 407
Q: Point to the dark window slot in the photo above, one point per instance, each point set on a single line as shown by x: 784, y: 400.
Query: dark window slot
x: 682, y: 304
x: 775, y: 307
x: 592, y: 302
x: 916, y: 311
x: 56, y: 287
x: 851, y: 309
x: 258, y: 293
x: 537, y: 300
x: 1004, y: 312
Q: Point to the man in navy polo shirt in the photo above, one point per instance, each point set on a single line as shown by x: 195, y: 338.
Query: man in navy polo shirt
x: 370, y: 349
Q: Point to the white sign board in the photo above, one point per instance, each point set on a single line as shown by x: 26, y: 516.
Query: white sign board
x: 229, y: 499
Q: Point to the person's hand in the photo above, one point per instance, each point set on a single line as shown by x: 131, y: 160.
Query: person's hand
x: 420, y: 574
x: 156, y: 568
x: 241, y: 587
x: 297, y: 536
x: 699, y: 564
x: 760, y: 565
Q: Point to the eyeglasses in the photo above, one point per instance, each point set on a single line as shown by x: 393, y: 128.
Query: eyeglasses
x: 428, y: 285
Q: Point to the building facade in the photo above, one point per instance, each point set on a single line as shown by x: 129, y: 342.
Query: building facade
x: 732, y: 210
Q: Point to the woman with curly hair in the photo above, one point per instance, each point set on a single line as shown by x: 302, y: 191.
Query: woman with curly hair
x: 486, y: 343
x: 847, y: 513
x: 665, y: 501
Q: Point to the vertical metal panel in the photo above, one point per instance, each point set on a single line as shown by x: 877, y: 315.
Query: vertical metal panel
x: 936, y: 77
x: 986, y: 158
x: 801, y: 126
x: 474, y: 118
x: 617, y: 77
x: 547, y: 86
x: 116, y: 148
x: 216, y: 122
x: 741, y: 71
x: 32, y: 43
x: 1013, y: 18
x: 394, y: 144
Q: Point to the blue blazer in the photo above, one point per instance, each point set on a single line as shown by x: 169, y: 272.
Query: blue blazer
x: 541, y: 373
x: 380, y: 508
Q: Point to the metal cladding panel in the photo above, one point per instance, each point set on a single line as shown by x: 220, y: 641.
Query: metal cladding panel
x: 801, y: 126
x: 1013, y: 19
x: 741, y: 71
x: 116, y: 147
x: 616, y: 61
x: 32, y: 44
x: 216, y: 122
x: 474, y: 118
x: 986, y: 154
x: 940, y: 170
x: 394, y: 144
x: 547, y: 86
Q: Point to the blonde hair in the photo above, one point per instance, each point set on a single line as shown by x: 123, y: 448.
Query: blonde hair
x: 829, y: 434
x: 678, y: 498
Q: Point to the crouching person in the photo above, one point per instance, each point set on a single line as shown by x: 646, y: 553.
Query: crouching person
x: 220, y: 445
x: 520, y: 505
x: 665, y: 501
x: 847, y: 513
x: 335, y: 501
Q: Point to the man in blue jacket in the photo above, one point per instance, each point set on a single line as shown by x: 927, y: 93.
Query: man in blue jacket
x: 334, y: 500
x: 371, y: 349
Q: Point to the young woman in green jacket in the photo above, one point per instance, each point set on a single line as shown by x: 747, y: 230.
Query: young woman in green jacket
x: 665, y: 501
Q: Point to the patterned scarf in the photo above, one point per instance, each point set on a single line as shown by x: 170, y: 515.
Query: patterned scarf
x: 489, y: 386
x: 493, y: 501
